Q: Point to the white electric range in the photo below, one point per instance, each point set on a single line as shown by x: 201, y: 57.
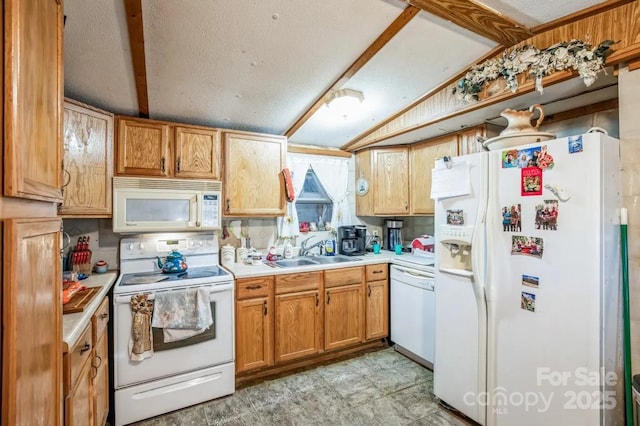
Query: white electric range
x: 183, y: 373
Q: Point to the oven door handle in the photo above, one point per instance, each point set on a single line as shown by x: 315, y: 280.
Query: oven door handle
x: 119, y: 300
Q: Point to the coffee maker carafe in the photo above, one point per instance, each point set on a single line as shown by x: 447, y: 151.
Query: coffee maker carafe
x: 351, y: 240
x: 394, y: 233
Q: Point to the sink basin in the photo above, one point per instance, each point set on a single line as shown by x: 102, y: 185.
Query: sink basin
x: 301, y: 261
x: 334, y: 259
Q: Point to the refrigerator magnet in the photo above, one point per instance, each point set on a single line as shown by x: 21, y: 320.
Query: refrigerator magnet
x: 545, y: 160
x: 512, y: 218
x: 547, y: 215
x: 575, y: 144
x: 530, y: 281
x: 509, y: 159
x: 531, y: 181
x: 455, y: 217
x: 528, y: 301
x: 527, y: 246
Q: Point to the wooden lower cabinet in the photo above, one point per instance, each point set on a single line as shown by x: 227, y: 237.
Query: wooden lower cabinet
x: 100, y: 364
x: 343, y: 316
x: 297, y: 325
x: 254, y: 336
x: 78, y: 404
x: 377, y: 310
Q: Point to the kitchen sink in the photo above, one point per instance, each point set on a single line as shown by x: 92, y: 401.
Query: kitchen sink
x: 323, y: 260
x: 300, y: 261
x: 315, y: 260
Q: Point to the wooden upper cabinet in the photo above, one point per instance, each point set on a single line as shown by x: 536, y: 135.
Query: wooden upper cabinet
x: 31, y: 322
x: 422, y: 157
x: 468, y: 140
x: 33, y: 87
x: 390, y: 181
x: 88, y: 160
x: 197, y: 153
x: 143, y: 148
x: 252, y: 184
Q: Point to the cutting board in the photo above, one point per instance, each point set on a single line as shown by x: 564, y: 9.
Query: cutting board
x: 80, y: 300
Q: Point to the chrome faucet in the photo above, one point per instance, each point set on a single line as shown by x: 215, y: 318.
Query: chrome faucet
x: 304, y: 248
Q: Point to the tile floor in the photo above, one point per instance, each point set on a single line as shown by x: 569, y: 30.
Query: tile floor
x: 379, y: 388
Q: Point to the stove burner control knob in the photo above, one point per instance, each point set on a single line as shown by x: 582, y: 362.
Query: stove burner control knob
x: 130, y: 246
x: 191, y: 243
x: 141, y: 246
x: 201, y: 243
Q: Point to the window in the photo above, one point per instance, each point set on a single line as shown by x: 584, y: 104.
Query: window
x: 313, y: 205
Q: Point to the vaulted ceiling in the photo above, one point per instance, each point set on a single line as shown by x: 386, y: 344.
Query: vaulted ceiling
x: 268, y: 65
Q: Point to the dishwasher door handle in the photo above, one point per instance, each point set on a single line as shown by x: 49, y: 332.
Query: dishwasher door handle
x: 428, y: 285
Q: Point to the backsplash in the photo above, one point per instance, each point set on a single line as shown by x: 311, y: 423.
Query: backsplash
x: 103, y: 243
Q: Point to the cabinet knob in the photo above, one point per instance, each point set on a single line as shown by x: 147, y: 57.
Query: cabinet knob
x: 162, y: 161
x: 178, y: 164
x: 328, y: 297
x: 265, y: 308
x: 104, y: 316
x: 85, y: 348
x: 317, y: 300
x: 369, y: 290
x: 228, y: 205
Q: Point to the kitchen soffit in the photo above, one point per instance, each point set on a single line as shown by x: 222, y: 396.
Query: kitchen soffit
x: 259, y: 66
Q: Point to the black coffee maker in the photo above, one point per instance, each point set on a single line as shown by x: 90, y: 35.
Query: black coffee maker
x: 352, y: 239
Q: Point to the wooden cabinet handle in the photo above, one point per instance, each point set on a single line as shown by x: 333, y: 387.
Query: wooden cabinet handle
x: 162, y: 161
x: 317, y: 299
x: 178, y: 164
x: 369, y: 290
x: 103, y: 316
x: 85, y: 348
x: 328, y: 297
x: 254, y: 287
x: 265, y: 308
x: 228, y: 205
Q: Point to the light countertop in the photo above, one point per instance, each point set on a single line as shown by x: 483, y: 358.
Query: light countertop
x: 248, y: 271
x: 74, y: 324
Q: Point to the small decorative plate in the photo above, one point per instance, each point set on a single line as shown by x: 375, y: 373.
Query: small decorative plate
x: 362, y: 186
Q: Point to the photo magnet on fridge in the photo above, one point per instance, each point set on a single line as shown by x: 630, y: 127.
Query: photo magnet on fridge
x: 512, y: 218
x: 547, y: 215
x: 527, y: 157
x: 528, y: 246
x: 528, y: 301
x: 455, y: 217
x: 530, y: 281
x: 575, y: 144
x: 531, y: 181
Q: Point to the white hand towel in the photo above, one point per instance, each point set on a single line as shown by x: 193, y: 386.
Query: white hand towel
x: 184, y: 313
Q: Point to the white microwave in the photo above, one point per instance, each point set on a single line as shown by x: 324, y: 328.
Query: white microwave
x: 159, y: 205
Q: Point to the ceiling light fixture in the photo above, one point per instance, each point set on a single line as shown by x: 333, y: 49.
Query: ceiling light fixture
x: 345, y: 102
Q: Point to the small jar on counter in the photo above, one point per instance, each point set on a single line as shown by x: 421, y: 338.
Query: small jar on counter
x: 227, y: 254
x: 241, y: 254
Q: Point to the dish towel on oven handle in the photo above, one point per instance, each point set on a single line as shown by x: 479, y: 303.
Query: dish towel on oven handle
x: 182, y: 313
x: 141, y: 338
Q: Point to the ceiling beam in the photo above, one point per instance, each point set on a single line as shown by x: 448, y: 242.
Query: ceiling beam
x: 136, y: 43
x: 403, y: 19
x: 477, y: 19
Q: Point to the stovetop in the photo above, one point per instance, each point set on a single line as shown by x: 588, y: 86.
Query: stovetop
x: 189, y: 274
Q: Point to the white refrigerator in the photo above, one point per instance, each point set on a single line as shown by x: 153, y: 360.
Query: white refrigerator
x: 527, y: 283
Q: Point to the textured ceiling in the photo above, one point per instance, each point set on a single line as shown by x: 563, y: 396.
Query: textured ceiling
x: 260, y: 65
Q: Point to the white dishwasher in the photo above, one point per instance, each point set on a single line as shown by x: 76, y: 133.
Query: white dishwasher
x: 413, y: 313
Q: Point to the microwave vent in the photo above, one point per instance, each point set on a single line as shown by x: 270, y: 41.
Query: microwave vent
x: 166, y: 184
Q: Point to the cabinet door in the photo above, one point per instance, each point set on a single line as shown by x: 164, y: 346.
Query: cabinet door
x: 254, y: 336
x: 197, y: 153
x: 31, y: 322
x: 78, y: 405
x: 391, y: 181
x: 88, y: 160
x: 468, y: 140
x: 297, y: 325
x: 252, y: 180
x: 343, y: 316
x: 422, y: 159
x: 377, y: 310
x: 33, y: 85
x: 100, y: 382
x: 143, y: 148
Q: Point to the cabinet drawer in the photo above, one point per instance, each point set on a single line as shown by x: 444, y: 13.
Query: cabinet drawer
x: 76, y: 359
x: 345, y: 276
x: 100, y: 320
x: 377, y: 272
x: 248, y: 288
x: 298, y: 282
